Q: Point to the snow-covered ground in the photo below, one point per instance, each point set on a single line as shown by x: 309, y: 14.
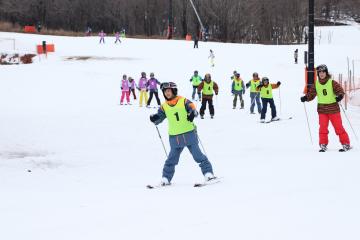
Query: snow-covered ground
x: 74, y: 163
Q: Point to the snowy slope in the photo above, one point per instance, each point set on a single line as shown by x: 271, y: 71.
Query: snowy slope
x: 90, y: 159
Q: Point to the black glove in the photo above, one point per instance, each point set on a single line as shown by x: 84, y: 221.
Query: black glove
x: 339, y: 98
x: 191, y: 116
x: 260, y: 85
x: 247, y: 85
x: 303, y: 99
x: 154, y: 118
x: 121, y: 88
x: 216, y: 93
x: 278, y: 83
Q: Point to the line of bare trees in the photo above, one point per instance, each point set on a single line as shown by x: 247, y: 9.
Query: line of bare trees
x: 256, y: 21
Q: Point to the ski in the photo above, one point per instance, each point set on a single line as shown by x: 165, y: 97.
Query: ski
x: 206, y: 183
x: 280, y: 119
x: 157, y: 186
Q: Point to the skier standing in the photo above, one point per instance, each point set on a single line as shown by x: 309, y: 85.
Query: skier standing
x: 143, y: 88
x: 152, y: 84
x: 117, y: 37
x: 125, y: 90
x: 196, y: 80
x: 132, y: 86
x: 102, y: 36
x: 296, y: 54
x: 196, y: 41
x: 180, y: 113
x: 212, y: 58
x: 208, y: 88
x: 254, y: 92
x: 238, y: 89
x: 266, y: 95
x: 329, y: 93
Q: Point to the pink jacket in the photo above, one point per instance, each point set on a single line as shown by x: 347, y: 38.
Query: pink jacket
x: 124, y: 85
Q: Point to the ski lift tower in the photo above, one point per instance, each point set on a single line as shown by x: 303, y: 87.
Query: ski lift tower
x: 310, y: 70
x: 198, y: 17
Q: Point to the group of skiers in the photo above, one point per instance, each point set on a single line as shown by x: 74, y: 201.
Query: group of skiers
x: 145, y: 85
x: 117, y: 36
x: 181, y: 112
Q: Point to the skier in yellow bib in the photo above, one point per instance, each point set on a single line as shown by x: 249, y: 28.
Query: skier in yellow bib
x: 266, y: 95
x: 180, y: 113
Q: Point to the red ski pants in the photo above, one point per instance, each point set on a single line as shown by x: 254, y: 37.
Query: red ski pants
x: 335, y: 119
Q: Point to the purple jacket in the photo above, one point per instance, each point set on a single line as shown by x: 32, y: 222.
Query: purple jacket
x: 153, y: 82
x: 143, y: 83
x: 132, y: 84
x: 124, y: 85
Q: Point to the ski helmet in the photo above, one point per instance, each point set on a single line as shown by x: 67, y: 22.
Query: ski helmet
x: 143, y: 74
x: 169, y: 85
x: 322, y: 68
x: 255, y: 74
x: 207, y: 77
x: 152, y: 74
x: 265, y: 80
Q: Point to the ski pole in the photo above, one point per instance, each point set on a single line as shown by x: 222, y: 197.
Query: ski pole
x: 202, y: 146
x: 161, y: 141
x: 349, y: 122
x: 307, y: 119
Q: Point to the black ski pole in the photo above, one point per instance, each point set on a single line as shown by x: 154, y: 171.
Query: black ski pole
x: 161, y: 141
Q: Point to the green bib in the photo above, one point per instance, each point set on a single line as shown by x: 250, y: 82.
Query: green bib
x: 196, y: 81
x: 325, y: 93
x: 254, y: 85
x: 266, y: 92
x: 208, y: 88
x: 177, y: 117
x: 238, y: 84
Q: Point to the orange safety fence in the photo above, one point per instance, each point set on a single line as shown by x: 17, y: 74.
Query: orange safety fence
x: 306, y: 79
x: 49, y: 48
x: 29, y: 29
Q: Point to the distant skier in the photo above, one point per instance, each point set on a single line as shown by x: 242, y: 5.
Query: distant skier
x: 143, y: 88
x: 196, y: 41
x: 196, y: 80
x: 296, y: 54
x: 132, y: 86
x: 254, y: 93
x: 208, y: 88
x: 212, y: 58
x: 125, y: 90
x: 117, y: 37
x: 329, y: 93
x: 102, y: 36
x: 152, y: 85
x: 238, y: 89
x: 180, y: 113
x: 266, y: 95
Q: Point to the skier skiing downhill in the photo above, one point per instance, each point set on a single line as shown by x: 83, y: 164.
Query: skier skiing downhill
x: 212, y: 58
x: 238, y: 89
x: 180, y: 113
x: 152, y: 85
x: 329, y: 93
x: 125, y: 90
x: 208, y: 88
x: 266, y: 95
x: 143, y: 88
x: 196, y: 80
x: 254, y: 93
x: 102, y: 36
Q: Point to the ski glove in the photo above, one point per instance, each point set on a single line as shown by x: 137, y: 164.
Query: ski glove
x: 191, y: 116
x: 121, y: 88
x: 339, y: 98
x: 303, y: 99
x: 278, y: 83
x: 247, y: 85
x: 154, y: 118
